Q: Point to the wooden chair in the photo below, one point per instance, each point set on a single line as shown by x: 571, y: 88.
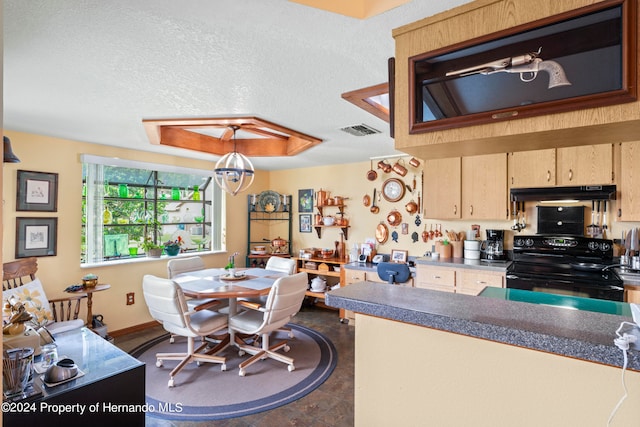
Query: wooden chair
x: 284, y: 301
x: 167, y: 304
x: 65, y: 311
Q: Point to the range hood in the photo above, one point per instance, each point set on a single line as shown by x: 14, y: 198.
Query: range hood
x: 583, y: 192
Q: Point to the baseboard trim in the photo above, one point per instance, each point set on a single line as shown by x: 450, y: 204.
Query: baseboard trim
x: 132, y: 329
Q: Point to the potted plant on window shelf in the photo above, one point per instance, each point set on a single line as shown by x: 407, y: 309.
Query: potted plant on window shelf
x: 151, y: 249
x: 172, y: 247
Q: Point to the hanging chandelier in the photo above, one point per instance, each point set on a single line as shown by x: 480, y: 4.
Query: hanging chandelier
x: 234, y: 172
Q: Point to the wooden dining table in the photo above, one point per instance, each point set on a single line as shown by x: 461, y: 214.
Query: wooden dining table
x: 217, y: 283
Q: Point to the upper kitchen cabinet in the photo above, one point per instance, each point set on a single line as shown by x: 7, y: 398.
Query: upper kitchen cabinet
x: 443, y: 63
x: 585, y: 165
x: 442, y: 188
x: 535, y: 168
x: 568, y: 166
x: 484, y: 187
x: 629, y: 203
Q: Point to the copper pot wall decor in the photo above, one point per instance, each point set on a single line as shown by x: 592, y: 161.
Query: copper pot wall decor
x: 371, y: 174
x: 394, y: 218
x: 386, y: 167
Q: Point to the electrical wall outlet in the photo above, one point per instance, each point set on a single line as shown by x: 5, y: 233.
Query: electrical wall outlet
x: 130, y: 298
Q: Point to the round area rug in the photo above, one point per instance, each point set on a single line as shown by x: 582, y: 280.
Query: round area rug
x: 206, y: 393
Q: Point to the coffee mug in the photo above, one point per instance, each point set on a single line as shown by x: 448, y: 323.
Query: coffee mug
x: 399, y: 168
x: 414, y: 162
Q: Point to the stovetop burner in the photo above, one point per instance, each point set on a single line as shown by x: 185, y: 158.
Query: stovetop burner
x: 564, y: 257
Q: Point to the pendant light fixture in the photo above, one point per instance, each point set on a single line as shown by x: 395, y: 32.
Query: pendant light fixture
x: 9, y: 157
x: 234, y: 172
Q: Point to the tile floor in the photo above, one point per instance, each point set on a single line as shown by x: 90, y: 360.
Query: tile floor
x: 331, y: 404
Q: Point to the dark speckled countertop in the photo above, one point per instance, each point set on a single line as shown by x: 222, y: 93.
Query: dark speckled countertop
x: 573, y: 333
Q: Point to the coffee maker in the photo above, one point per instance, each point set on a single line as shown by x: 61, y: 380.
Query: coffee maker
x: 492, y: 249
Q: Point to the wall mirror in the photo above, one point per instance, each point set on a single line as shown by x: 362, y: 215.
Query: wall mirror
x: 579, y: 59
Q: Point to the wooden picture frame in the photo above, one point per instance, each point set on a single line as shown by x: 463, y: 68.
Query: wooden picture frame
x: 36, y: 237
x: 399, y: 255
x: 305, y: 200
x: 305, y: 223
x: 37, y: 191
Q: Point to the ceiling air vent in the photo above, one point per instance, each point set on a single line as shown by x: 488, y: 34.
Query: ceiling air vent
x: 360, y: 130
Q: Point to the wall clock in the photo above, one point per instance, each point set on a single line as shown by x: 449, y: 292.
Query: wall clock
x: 393, y: 190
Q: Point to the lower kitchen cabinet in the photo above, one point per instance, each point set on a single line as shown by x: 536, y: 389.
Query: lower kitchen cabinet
x: 467, y: 281
x: 352, y: 276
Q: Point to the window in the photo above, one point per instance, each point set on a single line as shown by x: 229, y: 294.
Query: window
x: 125, y: 203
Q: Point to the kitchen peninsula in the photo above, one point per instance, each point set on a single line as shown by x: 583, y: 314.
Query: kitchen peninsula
x: 473, y: 360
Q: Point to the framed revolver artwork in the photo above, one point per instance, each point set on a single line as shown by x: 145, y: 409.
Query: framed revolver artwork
x: 582, y: 58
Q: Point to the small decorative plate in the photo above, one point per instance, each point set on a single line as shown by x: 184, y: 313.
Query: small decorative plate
x: 269, y: 201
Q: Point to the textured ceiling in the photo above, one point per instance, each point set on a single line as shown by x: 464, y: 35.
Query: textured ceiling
x: 92, y: 70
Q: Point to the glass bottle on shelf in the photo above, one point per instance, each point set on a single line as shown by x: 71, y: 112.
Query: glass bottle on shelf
x: 175, y: 193
x: 107, y: 218
x: 196, y: 192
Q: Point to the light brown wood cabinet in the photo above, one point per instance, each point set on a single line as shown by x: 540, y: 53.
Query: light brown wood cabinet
x: 632, y: 294
x: 535, y: 168
x: 629, y: 176
x: 472, y: 187
x: 583, y: 165
x: 467, y: 281
x: 442, y: 188
x: 352, y: 276
x: 484, y: 187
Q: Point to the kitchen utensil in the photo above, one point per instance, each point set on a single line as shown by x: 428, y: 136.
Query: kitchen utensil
x: 425, y: 234
x: 399, y: 168
x: 321, y: 197
x: 328, y: 220
x: 374, y: 209
x: 431, y: 232
x: 591, y: 228
x: 414, y: 237
x: 597, y: 229
x: 386, y: 167
x: 366, y: 200
x: 372, y: 174
x: 394, y: 236
x: 414, y: 162
x: 382, y: 233
x: 414, y: 183
x: 411, y: 207
x: 604, y: 220
x: 394, y: 218
x: 634, y: 241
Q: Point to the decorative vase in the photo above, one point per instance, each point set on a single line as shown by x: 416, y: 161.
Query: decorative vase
x: 172, y: 250
x: 154, y: 253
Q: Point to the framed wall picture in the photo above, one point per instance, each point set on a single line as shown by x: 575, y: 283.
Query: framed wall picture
x: 399, y: 255
x: 305, y: 201
x: 305, y: 223
x: 36, y: 237
x: 37, y: 191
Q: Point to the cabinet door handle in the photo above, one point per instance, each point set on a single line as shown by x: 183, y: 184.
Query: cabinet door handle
x: 455, y: 209
x: 570, y: 174
x: 471, y: 210
x: 481, y: 282
x: 437, y: 277
x: 548, y: 176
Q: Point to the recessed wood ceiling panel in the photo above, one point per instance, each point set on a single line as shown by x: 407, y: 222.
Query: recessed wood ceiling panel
x: 254, y: 137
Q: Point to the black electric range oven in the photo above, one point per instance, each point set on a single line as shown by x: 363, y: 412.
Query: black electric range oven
x: 567, y: 265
